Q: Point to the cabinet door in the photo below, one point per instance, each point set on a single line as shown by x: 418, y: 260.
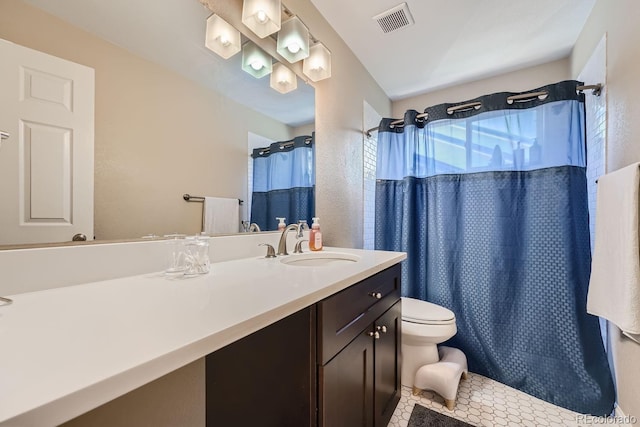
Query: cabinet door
x: 346, y: 385
x: 387, y: 364
x: 266, y: 379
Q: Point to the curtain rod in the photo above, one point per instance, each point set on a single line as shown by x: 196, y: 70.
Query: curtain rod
x: 595, y: 90
x: 284, y: 144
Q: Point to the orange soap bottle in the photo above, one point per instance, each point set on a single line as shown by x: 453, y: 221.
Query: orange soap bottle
x: 315, y: 236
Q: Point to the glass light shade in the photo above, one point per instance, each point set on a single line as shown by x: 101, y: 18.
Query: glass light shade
x: 263, y: 17
x: 283, y: 79
x: 221, y: 37
x: 255, y: 61
x: 317, y: 66
x: 293, y: 40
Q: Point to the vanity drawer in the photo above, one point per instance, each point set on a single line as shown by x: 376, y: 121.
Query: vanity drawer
x: 343, y: 316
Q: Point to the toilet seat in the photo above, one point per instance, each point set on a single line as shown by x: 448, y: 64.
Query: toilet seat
x: 425, y: 313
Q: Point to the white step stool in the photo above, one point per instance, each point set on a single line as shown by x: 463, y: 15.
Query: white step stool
x: 443, y: 377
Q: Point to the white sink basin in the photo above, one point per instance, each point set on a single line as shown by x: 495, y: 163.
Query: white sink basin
x: 320, y: 259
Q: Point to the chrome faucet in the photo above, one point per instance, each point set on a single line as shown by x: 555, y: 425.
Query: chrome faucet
x: 282, y: 245
x: 302, y: 226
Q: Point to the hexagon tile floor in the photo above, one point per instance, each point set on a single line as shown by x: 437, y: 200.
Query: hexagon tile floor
x: 484, y: 402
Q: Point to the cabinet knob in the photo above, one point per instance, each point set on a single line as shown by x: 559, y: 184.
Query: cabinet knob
x: 382, y: 329
x: 376, y: 295
x: 375, y: 335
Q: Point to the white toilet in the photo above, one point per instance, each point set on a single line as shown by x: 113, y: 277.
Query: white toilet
x: 424, y: 326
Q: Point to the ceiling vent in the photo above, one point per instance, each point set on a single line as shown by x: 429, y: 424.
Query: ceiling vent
x: 394, y: 18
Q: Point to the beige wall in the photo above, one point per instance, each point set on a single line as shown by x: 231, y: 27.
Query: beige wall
x: 157, y: 134
x: 617, y: 20
x: 174, y: 400
x: 339, y: 137
x: 515, y: 81
x: 304, y: 129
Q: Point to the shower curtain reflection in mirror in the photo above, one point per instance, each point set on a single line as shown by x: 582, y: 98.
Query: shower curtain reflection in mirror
x: 283, y: 182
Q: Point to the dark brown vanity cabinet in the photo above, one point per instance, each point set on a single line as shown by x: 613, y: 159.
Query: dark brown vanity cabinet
x: 333, y: 364
x: 266, y: 379
x: 359, y: 331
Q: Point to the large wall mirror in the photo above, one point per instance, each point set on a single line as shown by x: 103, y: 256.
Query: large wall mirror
x: 170, y: 117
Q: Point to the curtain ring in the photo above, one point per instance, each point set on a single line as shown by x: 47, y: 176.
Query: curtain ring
x: 526, y: 97
x: 464, y: 107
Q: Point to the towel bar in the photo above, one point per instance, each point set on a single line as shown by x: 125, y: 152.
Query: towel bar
x: 189, y: 198
x: 199, y: 199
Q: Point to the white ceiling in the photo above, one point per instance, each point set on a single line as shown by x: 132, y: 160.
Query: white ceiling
x: 451, y: 42
x: 455, y: 41
x: 171, y: 33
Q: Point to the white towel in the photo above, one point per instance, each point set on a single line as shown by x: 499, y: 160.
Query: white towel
x: 614, y: 289
x: 221, y: 216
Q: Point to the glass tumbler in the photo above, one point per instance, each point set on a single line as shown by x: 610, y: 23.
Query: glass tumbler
x: 175, y: 254
x: 196, y: 256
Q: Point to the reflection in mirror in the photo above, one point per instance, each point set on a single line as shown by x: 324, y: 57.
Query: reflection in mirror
x: 171, y: 117
x: 283, y: 184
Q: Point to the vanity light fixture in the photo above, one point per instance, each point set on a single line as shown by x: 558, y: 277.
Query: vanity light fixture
x: 255, y: 61
x: 221, y: 37
x: 283, y: 79
x: 293, y: 40
x: 317, y: 66
x: 263, y: 17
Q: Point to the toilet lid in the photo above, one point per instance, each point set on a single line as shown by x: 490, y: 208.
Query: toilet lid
x: 418, y: 311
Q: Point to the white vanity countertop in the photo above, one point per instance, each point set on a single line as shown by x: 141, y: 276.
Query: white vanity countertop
x: 65, y: 351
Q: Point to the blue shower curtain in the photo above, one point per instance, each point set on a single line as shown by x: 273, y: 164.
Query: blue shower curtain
x: 490, y: 204
x: 283, y: 182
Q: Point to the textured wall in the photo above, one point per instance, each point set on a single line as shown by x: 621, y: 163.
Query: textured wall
x: 618, y: 21
x: 595, y: 71
x: 339, y: 138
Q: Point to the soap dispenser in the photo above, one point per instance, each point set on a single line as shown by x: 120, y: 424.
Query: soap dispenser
x: 281, y: 224
x: 315, y: 236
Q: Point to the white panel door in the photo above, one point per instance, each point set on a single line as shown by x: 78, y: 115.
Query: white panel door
x: 46, y: 162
